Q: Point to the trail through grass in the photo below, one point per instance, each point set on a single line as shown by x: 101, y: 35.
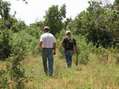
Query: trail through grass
x: 90, y: 76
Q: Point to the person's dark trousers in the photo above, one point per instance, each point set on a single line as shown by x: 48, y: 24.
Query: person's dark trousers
x: 68, y: 57
x: 47, y: 57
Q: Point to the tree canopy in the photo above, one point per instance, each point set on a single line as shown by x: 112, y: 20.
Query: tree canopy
x: 54, y: 18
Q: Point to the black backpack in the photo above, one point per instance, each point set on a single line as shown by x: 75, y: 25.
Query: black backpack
x: 68, y: 43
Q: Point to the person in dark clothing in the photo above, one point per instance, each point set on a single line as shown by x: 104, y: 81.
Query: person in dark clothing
x: 69, y: 45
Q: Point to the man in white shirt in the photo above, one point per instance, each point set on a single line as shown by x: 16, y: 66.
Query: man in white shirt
x: 48, y: 45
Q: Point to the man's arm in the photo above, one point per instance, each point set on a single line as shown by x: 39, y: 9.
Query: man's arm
x: 54, y: 48
x: 40, y: 44
x: 54, y: 45
x: 63, y: 43
x: 75, y: 46
x: 40, y: 41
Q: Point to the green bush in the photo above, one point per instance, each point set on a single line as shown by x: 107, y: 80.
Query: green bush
x: 84, y: 49
x: 5, y: 47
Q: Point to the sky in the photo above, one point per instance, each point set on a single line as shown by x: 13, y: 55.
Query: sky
x: 36, y: 9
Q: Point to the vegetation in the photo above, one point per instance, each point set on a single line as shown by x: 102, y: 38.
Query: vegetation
x: 97, y: 34
x: 54, y: 17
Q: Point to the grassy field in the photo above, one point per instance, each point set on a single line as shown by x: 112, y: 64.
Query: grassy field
x: 94, y: 75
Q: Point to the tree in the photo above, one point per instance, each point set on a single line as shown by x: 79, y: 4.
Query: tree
x: 4, y: 9
x: 54, y: 18
x: 96, y: 24
x: 116, y: 2
x: 116, y: 5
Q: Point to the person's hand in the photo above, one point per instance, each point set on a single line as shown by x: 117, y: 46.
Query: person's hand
x: 54, y: 52
x: 75, y: 51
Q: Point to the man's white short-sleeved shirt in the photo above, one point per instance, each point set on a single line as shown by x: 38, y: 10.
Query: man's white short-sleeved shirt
x: 47, y: 40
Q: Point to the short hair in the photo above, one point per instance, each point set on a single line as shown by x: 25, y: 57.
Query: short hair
x: 46, y: 28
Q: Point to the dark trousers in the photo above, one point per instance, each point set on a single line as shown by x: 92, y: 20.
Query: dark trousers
x: 47, y: 58
x: 68, y: 57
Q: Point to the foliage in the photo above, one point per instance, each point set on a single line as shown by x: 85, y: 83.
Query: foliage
x: 54, y: 17
x: 116, y: 2
x: 18, y: 26
x: 4, y: 44
x: 84, y: 49
x: 96, y: 24
x: 4, y: 78
x: 35, y: 29
x: 4, y: 9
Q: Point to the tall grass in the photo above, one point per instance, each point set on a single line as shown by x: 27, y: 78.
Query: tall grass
x: 97, y: 69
